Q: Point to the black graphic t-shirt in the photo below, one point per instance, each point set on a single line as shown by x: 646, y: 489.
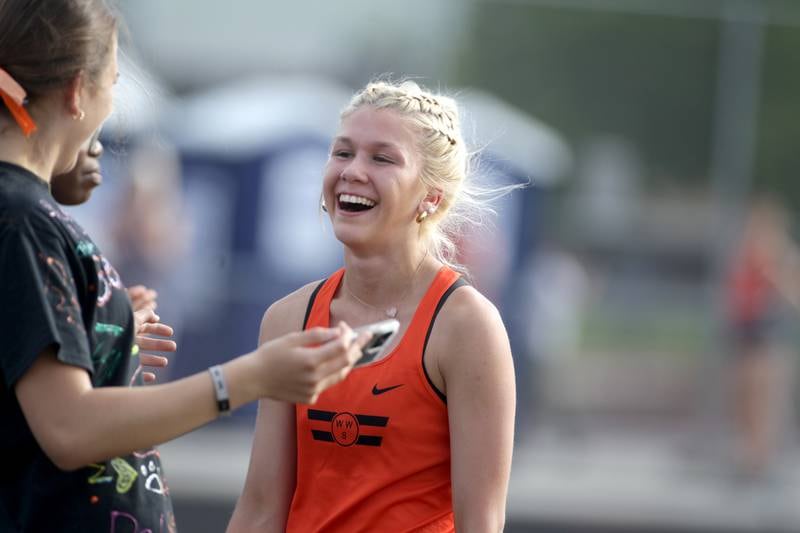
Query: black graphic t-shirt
x: 57, y: 289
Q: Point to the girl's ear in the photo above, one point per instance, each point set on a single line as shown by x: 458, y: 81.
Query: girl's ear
x: 431, y: 202
x: 72, y: 96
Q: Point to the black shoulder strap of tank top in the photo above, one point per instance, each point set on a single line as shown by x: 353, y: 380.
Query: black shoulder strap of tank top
x: 460, y: 282
x: 311, y: 302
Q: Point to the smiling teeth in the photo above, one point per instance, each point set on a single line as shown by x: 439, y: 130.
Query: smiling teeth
x: 352, y: 199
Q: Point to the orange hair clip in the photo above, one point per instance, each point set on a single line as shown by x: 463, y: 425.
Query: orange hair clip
x: 13, y: 96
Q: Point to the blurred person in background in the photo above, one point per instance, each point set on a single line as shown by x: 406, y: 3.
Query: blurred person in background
x: 764, y: 275
x: 77, y: 436
x: 554, y: 290
x: 146, y: 248
x: 421, y: 438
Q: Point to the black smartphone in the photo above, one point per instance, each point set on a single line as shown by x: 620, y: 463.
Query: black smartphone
x: 382, y: 333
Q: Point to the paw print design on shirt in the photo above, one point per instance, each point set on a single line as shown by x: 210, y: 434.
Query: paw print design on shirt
x: 152, y: 475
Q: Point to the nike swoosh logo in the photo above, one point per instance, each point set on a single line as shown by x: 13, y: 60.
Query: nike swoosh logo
x: 376, y: 391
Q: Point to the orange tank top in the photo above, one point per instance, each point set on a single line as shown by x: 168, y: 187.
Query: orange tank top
x: 373, y: 454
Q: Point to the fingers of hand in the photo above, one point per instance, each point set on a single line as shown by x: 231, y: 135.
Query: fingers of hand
x: 136, y: 291
x: 322, y: 354
x: 345, y: 330
x: 307, y: 399
x: 155, y: 361
x: 142, y: 297
x: 336, y: 348
x: 357, y: 341
x: 156, y: 328
x: 329, y: 380
x: 332, y: 365
x: 148, y: 377
x: 156, y: 345
x: 357, y: 345
x: 312, y: 336
x: 138, y: 305
x: 146, y: 342
x: 315, y: 366
x: 149, y: 298
x: 143, y: 316
x: 327, y: 364
x: 140, y: 291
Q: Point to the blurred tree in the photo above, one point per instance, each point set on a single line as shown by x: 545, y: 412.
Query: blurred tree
x: 778, y: 157
x: 646, y: 77
x: 650, y: 79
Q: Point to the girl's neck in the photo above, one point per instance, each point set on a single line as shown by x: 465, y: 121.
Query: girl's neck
x: 26, y: 153
x: 384, y: 279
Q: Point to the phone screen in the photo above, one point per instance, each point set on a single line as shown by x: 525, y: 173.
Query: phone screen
x: 382, y: 333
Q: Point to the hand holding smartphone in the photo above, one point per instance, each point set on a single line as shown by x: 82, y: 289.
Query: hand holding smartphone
x: 382, y: 333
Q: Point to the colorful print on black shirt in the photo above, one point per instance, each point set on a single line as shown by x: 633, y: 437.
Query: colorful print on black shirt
x: 57, y: 289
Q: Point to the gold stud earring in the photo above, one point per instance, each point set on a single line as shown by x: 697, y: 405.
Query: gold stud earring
x: 422, y: 216
x: 80, y: 116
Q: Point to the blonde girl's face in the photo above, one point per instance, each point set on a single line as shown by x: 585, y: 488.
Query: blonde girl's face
x: 371, y: 182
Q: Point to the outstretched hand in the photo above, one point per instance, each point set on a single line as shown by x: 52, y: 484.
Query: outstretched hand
x: 299, y: 366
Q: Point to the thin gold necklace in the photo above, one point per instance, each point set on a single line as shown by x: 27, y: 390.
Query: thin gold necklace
x: 391, y: 312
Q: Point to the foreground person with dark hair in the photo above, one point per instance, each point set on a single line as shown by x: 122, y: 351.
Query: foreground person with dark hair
x: 76, y: 433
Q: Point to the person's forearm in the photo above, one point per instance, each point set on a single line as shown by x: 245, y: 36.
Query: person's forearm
x: 112, y: 421
x: 474, y: 519
x: 269, y: 487
x: 76, y: 424
x: 254, y: 519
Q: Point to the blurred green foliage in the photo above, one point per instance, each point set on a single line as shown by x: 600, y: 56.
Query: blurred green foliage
x: 778, y: 156
x: 648, y: 78
x: 675, y: 332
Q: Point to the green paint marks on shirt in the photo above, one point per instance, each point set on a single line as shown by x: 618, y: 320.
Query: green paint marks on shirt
x: 86, y: 248
x: 112, y: 329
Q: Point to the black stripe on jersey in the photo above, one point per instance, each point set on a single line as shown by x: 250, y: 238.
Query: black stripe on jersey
x: 327, y: 436
x: 369, y: 420
x: 363, y: 440
x: 311, y: 302
x: 460, y: 282
x: 325, y: 416
x: 363, y: 420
